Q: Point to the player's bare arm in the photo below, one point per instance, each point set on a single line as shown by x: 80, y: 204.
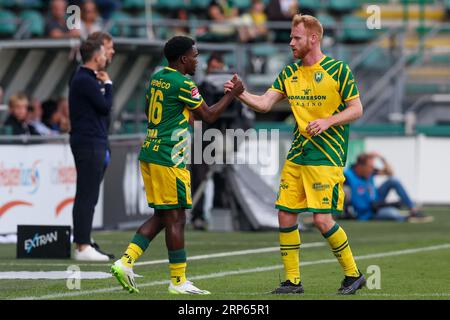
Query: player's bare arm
x: 210, y: 114
x: 259, y: 103
x: 352, y: 112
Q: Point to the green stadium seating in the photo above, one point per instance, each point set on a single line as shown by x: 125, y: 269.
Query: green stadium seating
x: 355, y: 30
x: 8, y: 24
x: 199, y: 4
x: 263, y: 49
x: 310, y: 4
x: 134, y: 4
x: 118, y: 29
x: 36, y: 22
x: 28, y: 4
x: 342, y: 6
x: 327, y: 21
x: 242, y: 4
x: 171, y: 4
x: 160, y: 32
x: 7, y: 3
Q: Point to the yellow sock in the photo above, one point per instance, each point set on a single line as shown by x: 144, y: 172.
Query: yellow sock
x: 134, y: 250
x: 341, y: 249
x: 178, y: 273
x: 290, y: 249
x: 131, y: 254
x: 177, y: 265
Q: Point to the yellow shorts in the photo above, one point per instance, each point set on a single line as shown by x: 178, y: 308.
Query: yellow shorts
x: 311, y: 189
x: 166, y: 187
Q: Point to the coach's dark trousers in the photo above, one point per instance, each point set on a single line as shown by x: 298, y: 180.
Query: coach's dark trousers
x: 90, y: 166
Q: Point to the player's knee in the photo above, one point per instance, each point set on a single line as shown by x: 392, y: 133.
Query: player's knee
x: 286, y: 219
x: 393, y: 181
x: 323, y: 222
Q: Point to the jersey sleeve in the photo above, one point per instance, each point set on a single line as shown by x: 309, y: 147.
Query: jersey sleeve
x: 278, y: 84
x: 189, y: 94
x: 347, y: 85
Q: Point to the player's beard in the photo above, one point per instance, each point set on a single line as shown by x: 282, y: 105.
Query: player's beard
x: 303, y: 52
x: 192, y: 72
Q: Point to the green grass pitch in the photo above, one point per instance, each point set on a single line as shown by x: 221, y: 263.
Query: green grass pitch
x: 413, y: 261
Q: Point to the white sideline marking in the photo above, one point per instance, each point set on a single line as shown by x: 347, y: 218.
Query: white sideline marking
x: 239, y: 272
x: 52, y: 275
x: 144, y: 263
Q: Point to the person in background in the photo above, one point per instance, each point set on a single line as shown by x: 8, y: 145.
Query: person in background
x: 90, y: 108
x: 90, y: 20
x: 16, y: 123
x: 53, y: 118
x: 258, y: 30
x: 237, y: 116
x: 369, y: 201
x: 56, y: 24
x: 35, y: 119
x: 281, y: 10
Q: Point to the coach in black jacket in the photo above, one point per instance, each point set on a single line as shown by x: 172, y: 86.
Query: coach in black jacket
x: 90, y: 104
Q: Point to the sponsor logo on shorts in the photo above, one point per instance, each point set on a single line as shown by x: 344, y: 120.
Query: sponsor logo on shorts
x: 325, y: 200
x: 320, y: 186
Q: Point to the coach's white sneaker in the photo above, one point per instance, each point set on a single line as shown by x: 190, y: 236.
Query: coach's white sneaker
x: 186, y: 288
x: 89, y: 254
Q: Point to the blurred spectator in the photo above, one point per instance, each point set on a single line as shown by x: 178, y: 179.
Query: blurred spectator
x: 35, y: 118
x: 220, y: 29
x: 282, y: 10
x: 237, y: 116
x: 369, y: 201
x: 52, y: 117
x: 182, y: 15
x: 16, y: 123
x: 90, y: 20
x: 56, y: 25
x: 257, y: 21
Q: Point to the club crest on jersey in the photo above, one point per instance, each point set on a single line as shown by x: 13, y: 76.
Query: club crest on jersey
x: 318, y: 76
x: 194, y: 93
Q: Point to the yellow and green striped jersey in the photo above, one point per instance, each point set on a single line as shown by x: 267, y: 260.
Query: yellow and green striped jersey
x: 316, y: 92
x: 170, y: 96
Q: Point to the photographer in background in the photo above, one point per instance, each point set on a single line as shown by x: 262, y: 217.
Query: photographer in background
x: 369, y: 201
x: 237, y: 116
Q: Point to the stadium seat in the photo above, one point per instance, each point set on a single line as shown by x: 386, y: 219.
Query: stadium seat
x: 28, y: 4
x: 119, y: 28
x: 326, y: 20
x: 160, y: 32
x: 36, y: 22
x: 171, y: 4
x: 199, y: 4
x: 134, y: 4
x: 340, y: 7
x: 264, y: 50
x: 8, y: 23
x: 7, y: 3
x: 309, y: 6
x: 242, y: 4
x: 355, y: 30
